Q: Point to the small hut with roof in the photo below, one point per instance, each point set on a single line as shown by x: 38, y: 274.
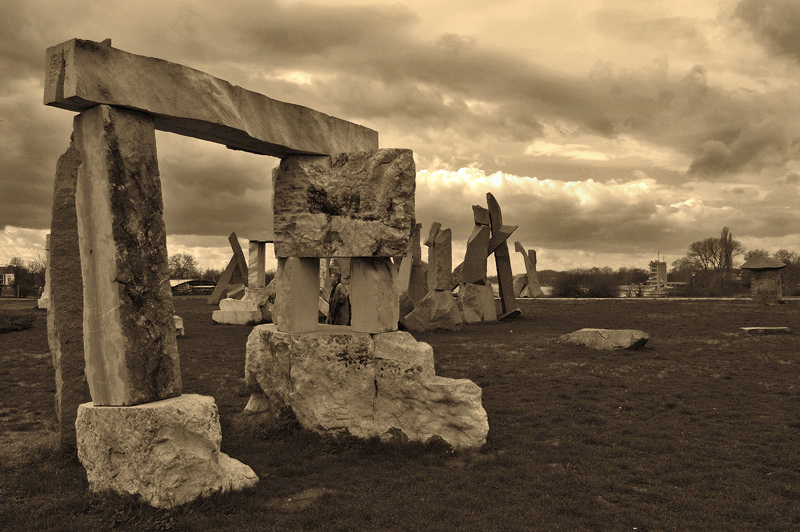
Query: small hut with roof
x: 765, y: 283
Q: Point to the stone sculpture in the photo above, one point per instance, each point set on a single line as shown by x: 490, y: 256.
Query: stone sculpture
x: 236, y: 273
x: 438, y: 309
x: 253, y: 307
x: 607, y: 338
x: 498, y: 246
x: 475, y: 296
x: 532, y: 287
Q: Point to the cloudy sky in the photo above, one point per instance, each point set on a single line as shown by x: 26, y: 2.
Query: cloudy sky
x: 609, y: 130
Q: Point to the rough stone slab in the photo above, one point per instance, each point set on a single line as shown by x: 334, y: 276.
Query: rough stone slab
x: 129, y: 334
x: 239, y: 305
x: 256, y: 270
x: 296, y: 295
x: 432, y: 233
x: 65, y: 312
x: 476, y: 302
x: 336, y: 381
x: 473, y: 270
x: 166, y: 452
x: 238, y: 256
x: 237, y: 317
x: 82, y: 74
x: 766, y: 330
x: 374, y: 303
x: 348, y: 205
x: 437, y: 310
x: 440, y: 265
x: 607, y: 338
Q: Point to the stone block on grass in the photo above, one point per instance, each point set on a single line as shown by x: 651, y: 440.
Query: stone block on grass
x: 607, y: 338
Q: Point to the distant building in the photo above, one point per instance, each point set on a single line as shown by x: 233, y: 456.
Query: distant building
x: 657, y: 281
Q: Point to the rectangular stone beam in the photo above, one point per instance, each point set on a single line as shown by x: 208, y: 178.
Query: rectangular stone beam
x: 82, y: 74
x: 128, y: 329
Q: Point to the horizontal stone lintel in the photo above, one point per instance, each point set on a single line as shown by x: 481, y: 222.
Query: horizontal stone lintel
x: 82, y: 74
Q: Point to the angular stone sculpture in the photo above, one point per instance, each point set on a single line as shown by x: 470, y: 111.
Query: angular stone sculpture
x: 349, y: 205
x: 498, y: 246
x: 235, y: 273
x: 534, y: 289
x: 65, y: 312
x: 129, y: 334
x: 418, y: 280
x: 476, y: 302
x: 253, y: 307
x: 166, y: 452
x: 436, y: 311
x: 607, y: 338
x: 82, y: 74
x: 440, y: 261
x: 367, y: 385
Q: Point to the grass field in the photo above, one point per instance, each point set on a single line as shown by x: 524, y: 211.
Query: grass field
x: 698, y: 431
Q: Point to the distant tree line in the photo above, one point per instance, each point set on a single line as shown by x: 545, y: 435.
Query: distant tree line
x: 592, y: 282
x: 28, y: 276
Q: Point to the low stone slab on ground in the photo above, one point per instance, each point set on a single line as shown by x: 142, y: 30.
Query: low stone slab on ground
x: 337, y: 381
x: 766, y: 330
x: 607, y: 338
x: 237, y: 317
x: 166, y: 452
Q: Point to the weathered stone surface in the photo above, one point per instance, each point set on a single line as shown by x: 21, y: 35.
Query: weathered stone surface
x: 476, y: 302
x: 607, y: 338
x: 348, y: 205
x: 235, y: 273
x: 505, y: 279
x: 418, y: 284
x: 179, y: 329
x: 296, y: 294
x: 65, y: 312
x: 766, y: 330
x: 473, y: 270
x: 129, y: 334
x: 374, y: 304
x: 437, y: 310
x: 765, y: 286
x: 257, y: 267
x: 241, y: 305
x: 237, y: 317
x: 82, y: 74
x: 166, y: 452
x: 531, y: 287
x: 336, y: 381
x: 521, y: 285
x: 440, y: 261
x: 406, y: 305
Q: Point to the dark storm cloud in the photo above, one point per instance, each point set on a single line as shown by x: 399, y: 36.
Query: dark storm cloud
x: 775, y: 22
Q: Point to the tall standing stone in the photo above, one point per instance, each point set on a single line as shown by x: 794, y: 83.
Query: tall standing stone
x: 534, y: 289
x: 418, y: 279
x: 502, y: 258
x: 473, y: 269
x: 65, y: 312
x: 256, y: 270
x: 129, y: 333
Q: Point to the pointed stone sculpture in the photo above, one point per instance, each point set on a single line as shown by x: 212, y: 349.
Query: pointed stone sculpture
x: 533, y: 288
x: 253, y: 306
x: 475, y: 296
x: 235, y: 273
x: 502, y: 258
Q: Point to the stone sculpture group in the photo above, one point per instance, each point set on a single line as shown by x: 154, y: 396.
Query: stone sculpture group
x: 110, y: 317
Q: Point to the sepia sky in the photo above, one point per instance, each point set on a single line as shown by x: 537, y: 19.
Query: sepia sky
x: 608, y: 130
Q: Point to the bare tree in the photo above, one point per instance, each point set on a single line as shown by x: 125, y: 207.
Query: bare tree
x: 182, y: 266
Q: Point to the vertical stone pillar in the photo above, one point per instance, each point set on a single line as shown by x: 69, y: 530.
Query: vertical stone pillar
x: 502, y: 260
x: 44, y: 300
x: 440, y: 267
x: 296, y: 294
x: 65, y: 312
x: 374, y: 304
x: 129, y: 334
x: 256, y: 269
x: 325, y: 277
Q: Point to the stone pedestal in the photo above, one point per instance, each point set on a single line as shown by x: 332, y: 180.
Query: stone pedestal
x: 437, y: 310
x: 337, y: 381
x: 296, y: 294
x: 129, y: 334
x: 374, y: 304
x: 476, y: 302
x: 166, y: 452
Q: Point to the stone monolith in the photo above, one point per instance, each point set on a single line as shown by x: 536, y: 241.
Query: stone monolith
x: 505, y: 279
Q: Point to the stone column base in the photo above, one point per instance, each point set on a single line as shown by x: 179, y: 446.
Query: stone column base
x: 166, y: 452
x: 338, y: 381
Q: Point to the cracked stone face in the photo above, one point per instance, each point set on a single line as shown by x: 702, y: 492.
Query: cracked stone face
x: 348, y: 205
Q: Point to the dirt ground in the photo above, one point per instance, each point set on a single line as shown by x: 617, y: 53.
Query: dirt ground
x: 697, y: 431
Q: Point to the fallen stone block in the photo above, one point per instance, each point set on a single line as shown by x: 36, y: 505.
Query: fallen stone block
x: 766, y: 330
x: 437, y: 310
x: 336, y: 381
x: 607, y: 338
x: 166, y: 452
x: 237, y: 317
